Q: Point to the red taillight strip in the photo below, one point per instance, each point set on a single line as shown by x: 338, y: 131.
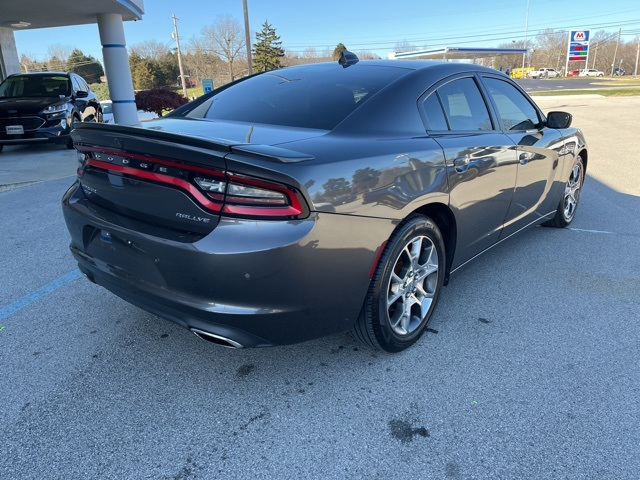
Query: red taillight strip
x: 146, y: 158
x: 262, y: 211
x: 158, y: 177
x: 294, y: 209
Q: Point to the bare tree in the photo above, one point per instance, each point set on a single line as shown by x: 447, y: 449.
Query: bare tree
x: 404, y: 46
x: 225, y: 38
x: 149, y: 49
x: 57, y: 56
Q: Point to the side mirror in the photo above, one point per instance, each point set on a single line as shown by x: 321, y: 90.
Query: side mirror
x: 559, y: 120
x: 82, y: 94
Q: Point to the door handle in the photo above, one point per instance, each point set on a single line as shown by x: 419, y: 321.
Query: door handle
x: 461, y: 164
x: 525, y: 157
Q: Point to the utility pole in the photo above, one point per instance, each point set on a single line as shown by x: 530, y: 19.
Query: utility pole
x: 526, y: 34
x: 613, y: 64
x: 247, y: 35
x: 177, y: 38
x: 635, y: 71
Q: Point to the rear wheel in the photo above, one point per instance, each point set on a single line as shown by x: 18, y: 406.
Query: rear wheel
x: 405, y: 288
x: 568, y: 205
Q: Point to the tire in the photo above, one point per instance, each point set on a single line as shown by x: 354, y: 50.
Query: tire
x: 567, y: 207
x: 69, y: 143
x: 405, y: 288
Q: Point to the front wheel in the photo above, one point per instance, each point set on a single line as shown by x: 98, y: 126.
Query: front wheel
x: 72, y: 122
x: 566, y: 211
x: 405, y: 287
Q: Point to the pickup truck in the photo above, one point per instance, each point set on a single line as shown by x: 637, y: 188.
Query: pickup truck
x: 545, y: 73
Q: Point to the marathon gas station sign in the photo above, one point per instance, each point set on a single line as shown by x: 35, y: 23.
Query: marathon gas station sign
x: 578, y: 46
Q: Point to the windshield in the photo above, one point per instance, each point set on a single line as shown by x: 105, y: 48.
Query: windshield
x: 298, y: 97
x: 35, y: 86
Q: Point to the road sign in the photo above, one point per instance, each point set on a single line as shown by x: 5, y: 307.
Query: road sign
x: 207, y: 85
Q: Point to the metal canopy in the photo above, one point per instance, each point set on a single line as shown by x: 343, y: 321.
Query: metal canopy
x: 458, y: 53
x: 30, y: 14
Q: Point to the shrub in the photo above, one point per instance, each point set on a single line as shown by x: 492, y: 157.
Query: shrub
x: 158, y: 100
x: 101, y: 90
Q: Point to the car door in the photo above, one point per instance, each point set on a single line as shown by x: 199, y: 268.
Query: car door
x: 537, y: 151
x: 481, y: 162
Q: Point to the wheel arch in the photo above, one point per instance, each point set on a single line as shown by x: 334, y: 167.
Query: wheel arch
x: 584, y: 155
x: 442, y: 215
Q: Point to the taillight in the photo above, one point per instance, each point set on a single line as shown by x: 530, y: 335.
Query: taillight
x: 228, y: 193
x: 249, y: 197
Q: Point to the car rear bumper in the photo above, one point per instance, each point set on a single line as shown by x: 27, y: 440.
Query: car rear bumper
x: 255, y: 283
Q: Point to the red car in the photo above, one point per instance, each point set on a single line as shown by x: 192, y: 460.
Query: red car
x: 573, y: 73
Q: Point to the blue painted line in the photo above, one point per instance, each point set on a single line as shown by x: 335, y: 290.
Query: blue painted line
x: 123, y: 101
x: 114, y: 45
x: 38, y: 294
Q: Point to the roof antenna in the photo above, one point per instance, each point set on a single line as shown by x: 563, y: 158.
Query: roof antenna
x: 348, y: 58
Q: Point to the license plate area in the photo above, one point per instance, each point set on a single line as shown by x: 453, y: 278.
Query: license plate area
x: 14, y: 130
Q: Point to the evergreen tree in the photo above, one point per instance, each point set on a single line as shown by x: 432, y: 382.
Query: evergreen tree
x: 267, y: 50
x: 86, y: 66
x: 143, y: 72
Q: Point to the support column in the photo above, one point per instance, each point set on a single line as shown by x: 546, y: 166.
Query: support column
x: 9, y: 61
x: 117, y: 69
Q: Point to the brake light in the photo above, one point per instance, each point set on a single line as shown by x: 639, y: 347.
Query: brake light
x: 217, y: 191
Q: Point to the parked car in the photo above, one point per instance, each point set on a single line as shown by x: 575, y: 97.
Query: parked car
x: 107, y: 113
x: 545, y: 73
x: 319, y: 198
x: 189, y: 82
x: 591, y: 72
x: 573, y: 73
x: 44, y: 106
x: 618, y: 72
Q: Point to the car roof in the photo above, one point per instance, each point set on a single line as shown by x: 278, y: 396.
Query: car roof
x: 35, y: 74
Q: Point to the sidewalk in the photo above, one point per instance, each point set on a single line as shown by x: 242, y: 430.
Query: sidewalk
x: 22, y: 165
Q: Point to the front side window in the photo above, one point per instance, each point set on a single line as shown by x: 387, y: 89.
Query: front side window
x: 515, y: 111
x: 464, y: 106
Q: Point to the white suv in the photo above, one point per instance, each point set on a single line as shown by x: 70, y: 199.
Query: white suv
x: 591, y: 72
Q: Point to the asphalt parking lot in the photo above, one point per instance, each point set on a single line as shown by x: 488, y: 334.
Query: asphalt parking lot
x: 530, y: 370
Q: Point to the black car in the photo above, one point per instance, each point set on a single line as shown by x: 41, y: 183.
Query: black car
x: 44, y: 106
x: 319, y: 198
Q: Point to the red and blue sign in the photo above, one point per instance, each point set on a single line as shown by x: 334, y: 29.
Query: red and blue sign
x: 578, y: 45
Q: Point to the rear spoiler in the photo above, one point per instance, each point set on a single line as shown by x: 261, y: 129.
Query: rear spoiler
x: 167, y: 144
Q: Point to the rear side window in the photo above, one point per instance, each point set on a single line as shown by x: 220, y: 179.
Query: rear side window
x: 298, y: 97
x: 515, y: 111
x: 464, y: 106
x: 434, y: 114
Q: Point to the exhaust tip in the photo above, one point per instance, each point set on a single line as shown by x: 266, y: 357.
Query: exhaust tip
x: 217, y: 339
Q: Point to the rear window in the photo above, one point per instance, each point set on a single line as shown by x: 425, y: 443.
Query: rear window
x: 298, y: 97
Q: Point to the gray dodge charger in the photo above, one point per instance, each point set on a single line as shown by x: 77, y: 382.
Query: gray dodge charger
x: 319, y: 198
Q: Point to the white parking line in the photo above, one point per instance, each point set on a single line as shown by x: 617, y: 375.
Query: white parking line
x: 592, y: 231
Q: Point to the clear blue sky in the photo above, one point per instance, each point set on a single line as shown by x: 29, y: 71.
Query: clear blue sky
x: 370, y: 25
